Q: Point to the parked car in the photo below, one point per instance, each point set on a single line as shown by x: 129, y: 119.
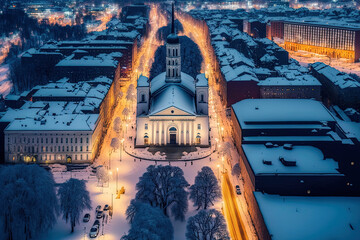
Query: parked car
x: 238, y: 192
x: 94, y: 231
x: 86, y: 217
x: 99, y: 214
x: 98, y: 208
x: 106, y: 207
x: 96, y: 223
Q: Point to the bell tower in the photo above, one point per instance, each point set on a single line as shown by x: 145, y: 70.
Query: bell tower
x: 173, y: 57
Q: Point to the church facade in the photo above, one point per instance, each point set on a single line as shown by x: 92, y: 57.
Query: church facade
x: 172, y: 108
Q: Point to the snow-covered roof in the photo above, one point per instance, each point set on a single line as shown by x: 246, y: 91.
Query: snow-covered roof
x: 338, y: 78
x: 303, y: 80
x: 158, y: 82
x: 102, y: 60
x: 281, y: 111
x: 143, y: 81
x: 308, y: 160
x: 68, y: 122
x: 310, y: 218
x: 173, y: 96
x: 201, y: 80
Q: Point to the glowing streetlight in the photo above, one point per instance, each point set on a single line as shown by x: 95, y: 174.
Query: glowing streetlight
x: 117, y: 172
x: 121, y: 143
x: 222, y: 159
x: 218, y: 167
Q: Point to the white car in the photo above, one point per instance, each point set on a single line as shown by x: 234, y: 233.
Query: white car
x: 99, y: 214
x: 94, y: 231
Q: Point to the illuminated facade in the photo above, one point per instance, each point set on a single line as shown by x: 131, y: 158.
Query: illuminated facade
x: 172, y: 108
x: 334, y: 41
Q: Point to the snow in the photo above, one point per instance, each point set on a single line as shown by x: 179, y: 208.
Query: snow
x: 310, y: 218
x: 303, y: 80
x: 309, y: 160
x: 143, y: 81
x: 201, y: 80
x: 338, y: 78
x: 281, y: 110
x: 173, y: 96
x: 68, y: 122
x: 159, y: 81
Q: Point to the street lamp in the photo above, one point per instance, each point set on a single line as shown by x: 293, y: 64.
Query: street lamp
x: 222, y: 159
x: 218, y: 167
x: 117, y: 172
x: 121, y: 143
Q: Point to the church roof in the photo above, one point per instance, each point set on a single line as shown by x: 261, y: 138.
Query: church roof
x: 173, y: 39
x: 201, y: 80
x: 173, y: 96
x: 143, y: 81
x: 158, y: 82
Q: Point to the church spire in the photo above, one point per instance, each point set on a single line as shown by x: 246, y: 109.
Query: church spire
x: 172, y: 20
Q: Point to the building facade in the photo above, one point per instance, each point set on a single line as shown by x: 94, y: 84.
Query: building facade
x: 332, y: 40
x: 172, y: 108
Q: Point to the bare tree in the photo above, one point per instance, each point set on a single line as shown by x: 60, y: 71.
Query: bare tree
x: 117, y: 124
x: 207, y: 224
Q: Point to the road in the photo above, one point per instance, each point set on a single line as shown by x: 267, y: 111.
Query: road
x: 231, y: 210
x: 222, y: 123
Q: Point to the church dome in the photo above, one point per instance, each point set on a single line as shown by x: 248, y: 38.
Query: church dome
x: 173, y: 39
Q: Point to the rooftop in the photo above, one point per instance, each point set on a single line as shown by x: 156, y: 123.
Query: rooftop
x: 281, y: 111
x: 310, y: 218
x: 308, y: 160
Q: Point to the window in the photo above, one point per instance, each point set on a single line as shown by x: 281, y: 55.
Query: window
x: 142, y: 97
x: 146, y: 126
x: 75, y: 140
x: 87, y: 140
x: 80, y: 140
x: 199, y: 126
x: 202, y: 98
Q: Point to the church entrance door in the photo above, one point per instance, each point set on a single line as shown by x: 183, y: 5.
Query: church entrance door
x: 173, y: 138
x: 172, y: 132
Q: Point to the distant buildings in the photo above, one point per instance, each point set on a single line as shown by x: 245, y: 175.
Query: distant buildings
x: 338, y: 88
x: 329, y: 37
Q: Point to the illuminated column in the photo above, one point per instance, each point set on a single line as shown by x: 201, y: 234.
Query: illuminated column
x: 160, y: 132
x: 180, y: 132
x: 185, y: 128
x: 152, y: 132
x: 165, y: 134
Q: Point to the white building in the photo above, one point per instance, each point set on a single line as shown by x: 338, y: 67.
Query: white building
x: 172, y: 108
x: 66, y: 139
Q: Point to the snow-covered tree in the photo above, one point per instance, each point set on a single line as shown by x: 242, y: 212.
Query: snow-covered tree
x: 207, y: 224
x: 115, y: 144
x: 147, y: 223
x: 236, y: 170
x: 28, y: 201
x: 117, y: 124
x: 102, y: 175
x: 74, y: 199
x: 125, y: 112
x: 206, y: 189
x: 225, y: 149
x: 164, y: 187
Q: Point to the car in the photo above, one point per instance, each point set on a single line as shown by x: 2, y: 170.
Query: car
x: 86, y: 217
x: 98, y: 208
x: 94, y: 231
x: 238, y: 192
x: 96, y: 223
x: 106, y: 207
x: 99, y: 214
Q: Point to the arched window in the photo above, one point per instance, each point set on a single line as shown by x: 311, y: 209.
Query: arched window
x: 202, y: 98
x: 176, y: 52
x: 198, y: 139
x: 173, y: 52
x: 173, y: 72
x: 142, y: 97
x: 146, y: 139
x: 172, y: 129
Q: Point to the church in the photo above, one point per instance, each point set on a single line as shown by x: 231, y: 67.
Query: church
x: 172, y: 108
